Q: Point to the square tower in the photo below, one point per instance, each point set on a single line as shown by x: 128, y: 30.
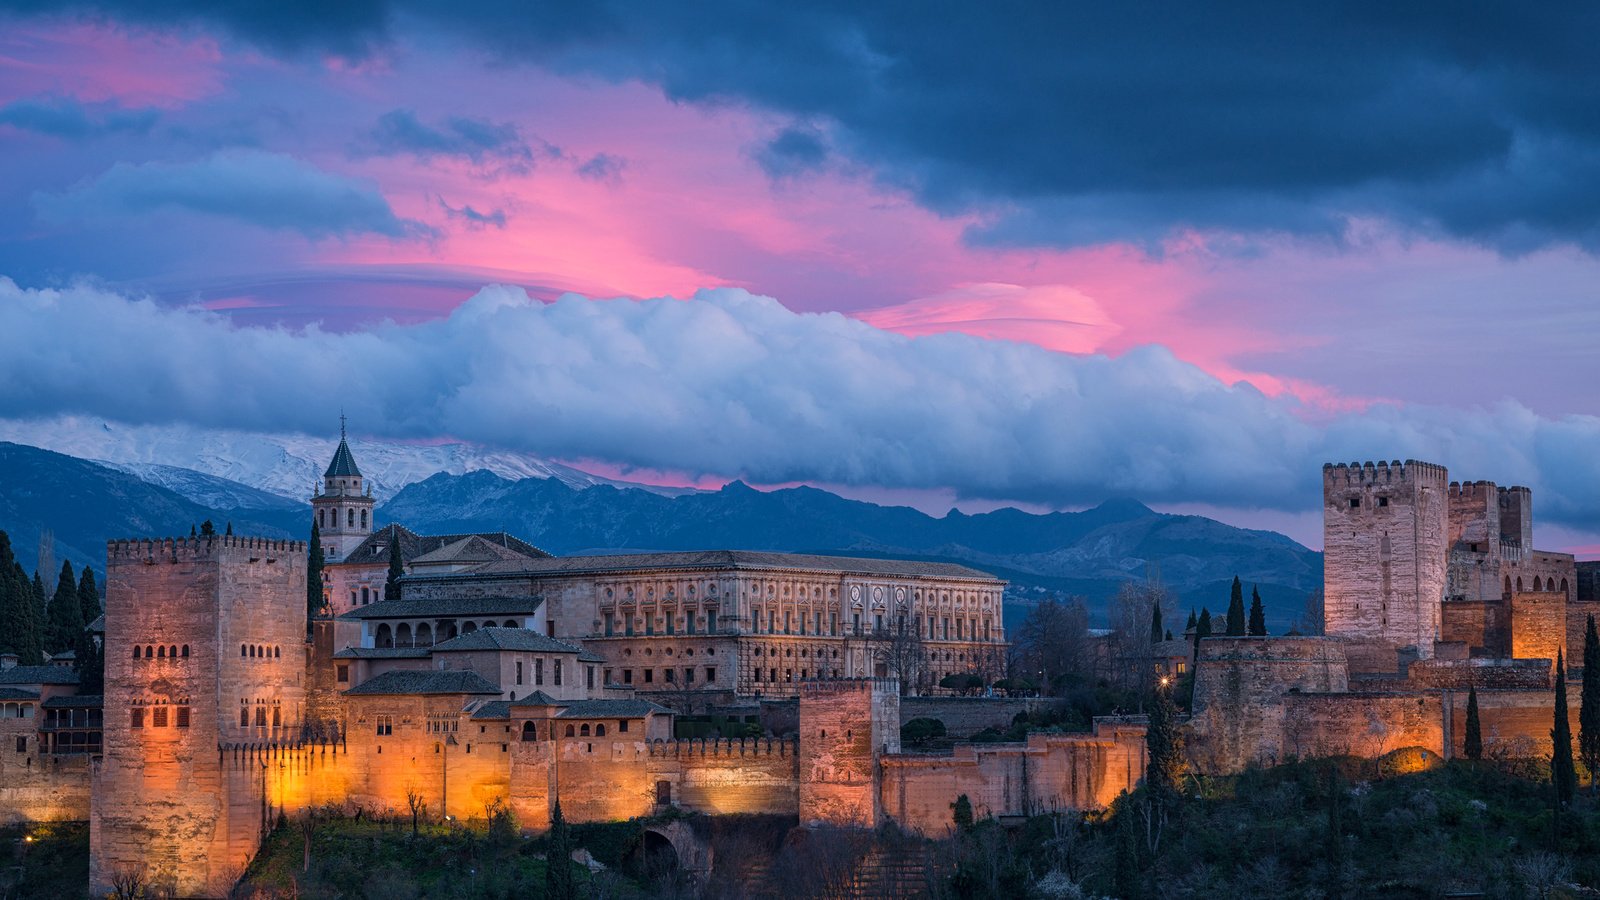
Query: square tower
x: 844, y: 726
x: 205, y: 650
x: 1385, y: 551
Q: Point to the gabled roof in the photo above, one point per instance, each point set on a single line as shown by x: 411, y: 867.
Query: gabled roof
x: 538, y: 698
x: 609, y: 709
x: 445, y: 682
x: 725, y: 559
x: 38, y: 675
x: 413, y: 545
x: 494, y: 709
x: 444, y: 607
x: 504, y: 639
x: 382, y: 653
x: 16, y: 693
x: 474, y: 548
x: 590, y: 656
x: 98, y: 626
x: 343, y: 463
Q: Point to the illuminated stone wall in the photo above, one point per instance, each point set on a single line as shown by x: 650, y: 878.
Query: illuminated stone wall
x: 1367, y: 725
x: 1539, y: 625
x: 37, y: 786
x: 1239, y: 688
x: 843, y: 725
x: 720, y: 776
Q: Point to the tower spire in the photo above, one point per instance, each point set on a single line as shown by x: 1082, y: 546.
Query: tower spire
x: 341, y: 424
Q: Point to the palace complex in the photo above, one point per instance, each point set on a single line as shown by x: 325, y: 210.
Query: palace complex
x: 501, y: 674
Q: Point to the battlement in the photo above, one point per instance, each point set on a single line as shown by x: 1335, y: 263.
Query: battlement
x: 1344, y: 475
x: 724, y: 748
x: 195, y: 548
x: 1477, y: 491
x: 837, y: 686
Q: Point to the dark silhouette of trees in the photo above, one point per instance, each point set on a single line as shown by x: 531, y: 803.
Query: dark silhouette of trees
x: 1236, y: 623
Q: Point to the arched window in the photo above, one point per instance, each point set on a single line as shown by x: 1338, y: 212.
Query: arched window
x: 1537, y: 584
x: 469, y: 627
x: 277, y: 717
x: 1564, y: 586
x: 161, y: 653
x: 1508, y: 584
x: 529, y: 731
x: 489, y: 624
x: 351, y: 517
x: 402, y: 635
x: 185, y: 651
x: 424, y: 635
x: 600, y: 730
x: 242, y: 653
x: 172, y: 652
x: 322, y: 518
x: 363, y: 519
x: 584, y: 731
x: 1519, y: 584
x: 384, y: 637
x: 244, y: 717
x: 252, y: 651
x: 277, y: 652
x: 570, y: 732
x: 510, y: 624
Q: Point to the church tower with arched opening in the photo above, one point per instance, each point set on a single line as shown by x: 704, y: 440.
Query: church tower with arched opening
x: 343, y: 504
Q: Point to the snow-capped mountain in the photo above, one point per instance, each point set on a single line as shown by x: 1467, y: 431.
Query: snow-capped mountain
x: 286, y: 465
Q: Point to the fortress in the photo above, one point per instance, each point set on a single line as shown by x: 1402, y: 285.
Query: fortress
x: 503, y: 675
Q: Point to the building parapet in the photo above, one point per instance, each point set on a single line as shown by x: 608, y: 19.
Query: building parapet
x: 724, y: 748
x: 173, y: 547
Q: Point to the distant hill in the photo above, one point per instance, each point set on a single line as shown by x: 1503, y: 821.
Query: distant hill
x: 1090, y: 553
x: 85, y: 504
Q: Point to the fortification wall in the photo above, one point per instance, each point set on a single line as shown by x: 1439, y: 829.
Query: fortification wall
x: 39, y: 787
x: 1050, y: 772
x: 964, y: 717
x: 842, y: 725
x: 1484, y: 674
x: 1578, y: 613
x: 1475, y: 514
x: 1386, y: 541
x: 1513, y: 723
x: 753, y: 775
x: 1538, y: 625
x: 1368, y: 725
x: 1476, y: 623
x: 1239, y: 688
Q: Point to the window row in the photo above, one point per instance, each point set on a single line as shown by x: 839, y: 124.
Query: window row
x: 530, y: 730
x: 673, y: 623
x: 367, y: 596
x: 324, y: 518
x: 425, y: 635
x: 259, y: 651
x: 259, y: 717
x: 932, y: 628
x: 668, y: 676
x: 159, y: 652
x: 159, y: 716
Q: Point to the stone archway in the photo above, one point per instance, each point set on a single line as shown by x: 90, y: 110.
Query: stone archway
x: 676, y: 845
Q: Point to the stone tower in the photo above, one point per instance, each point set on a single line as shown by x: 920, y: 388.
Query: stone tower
x: 844, y: 725
x: 1385, y: 552
x: 205, y: 652
x: 343, y: 508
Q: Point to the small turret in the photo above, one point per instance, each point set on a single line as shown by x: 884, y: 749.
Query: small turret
x: 343, y: 507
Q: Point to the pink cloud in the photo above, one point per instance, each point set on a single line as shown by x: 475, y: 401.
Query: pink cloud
x: 96, y: 63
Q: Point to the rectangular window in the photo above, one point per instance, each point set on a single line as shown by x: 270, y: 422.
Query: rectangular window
x: 557, y: 671
x: 650, y: 624
x: 622, y: 725
x: 244, y: 717
x: 711, y: 622
x: 627, y: 676
x: 608, y: 625
x: 1355, y: 502
x: 855, y: 623
x: 688, y: 623
x: 671, y: 675
x: 671, y: 622
x: 385, y: 725
x: 833, y: 624
x: 344, y: 674
x: 649, y: 676
x: 1383, y: 501
x: 136, y: 717
x: 711, y: 674
x: 519, y: 671
x: 538, y: 671
x: 607, y: 675
x: 158, y: 717
x: 183, y: 717
x: 588, y: 677
x: 688, y: 676
x: 627, y: 627
x: 877, y: 622
x: 772, y: 622
x: 22, y: 743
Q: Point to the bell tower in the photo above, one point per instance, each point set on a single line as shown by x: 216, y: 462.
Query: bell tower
x: 342, y: 506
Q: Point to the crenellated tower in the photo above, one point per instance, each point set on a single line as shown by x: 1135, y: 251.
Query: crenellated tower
x: 343, y: 506
x: 205, y: 650
x: 1386, y: 541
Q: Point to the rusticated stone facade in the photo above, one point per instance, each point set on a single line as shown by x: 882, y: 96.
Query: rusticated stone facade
x: 227, y: 614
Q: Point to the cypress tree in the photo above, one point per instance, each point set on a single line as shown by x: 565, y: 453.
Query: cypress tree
x: 207, y: 529
x: 229, y: 532
x: 1236, y: 610
x: 90, y: 664
x: 1589, y: 706
x: 314, y: 573
x: 1258, y: 615
x: 397, y: 568
x: 558, y: 881
x: 1562, y: 774
x: 30, y: 618
x: 12, y: 594
x: 1155, y: 623
x: 1192, y: 621
x: 66, y: 614
x: 1472, y: 745
x: 961, y: 813
x: 1202, y: 629
x: 88, y: 597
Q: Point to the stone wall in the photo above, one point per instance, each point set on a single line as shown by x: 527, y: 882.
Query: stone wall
x: 729, y: 776
x: 843, y: 724
x: 1514, y: 723
x: 1049, y: 772
x: 1239, y: 691
x: 1438, y: 674
x: 1367, y: 725
x: 37, y: 786
x: 1578, y: 613
x: 1385, y: 540
x: 965, y: 716
x: 1538, y: 625
x: 1476, y: 623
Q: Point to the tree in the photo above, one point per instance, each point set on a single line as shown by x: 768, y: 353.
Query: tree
x: 65, y: 613
x: 1236, y: 609
x: 1155, y: 623
x: 417, y: 804
x: 1192, y: 621
x: 90, y: 664
x: 1258, y: 615
x: 1589, y: 706
x: 314, y: 598
x: 1163, y: 774
x: 1053, y: 641
x: 1202, y: 630
x: 898, y: 646
x: 1561, y: 770
x: 397, y: 568
x: 558, y: 881
x: 207, y: 529
x: 88, y: 597
x: 1472, y: 745
x: 961, y: 813
x: 229, y: 532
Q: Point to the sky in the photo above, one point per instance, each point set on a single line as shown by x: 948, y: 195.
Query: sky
x: 1036, y: 254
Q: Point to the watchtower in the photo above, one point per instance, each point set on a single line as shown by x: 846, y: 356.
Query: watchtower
x: 1385, y: 551
x: 844, y: 726
x: 205, y: 649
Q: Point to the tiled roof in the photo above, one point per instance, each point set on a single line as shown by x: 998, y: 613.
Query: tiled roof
x: 494, y: 709
x: 413, y: 545
x: 98, y: 626
x: 16, y: 693
x: 444, y: 607
x: 723, y: 559
x: 504, y: 639
x: 65, y: 655
x: 38, y: 675
x: 474, y: 548
x: 538, y: 698
x: 609, y: 709
x: 446, y: 682
x: 590, y: 656
x: 75, y: 701
x: 343, y: 463
x: 382, y: 653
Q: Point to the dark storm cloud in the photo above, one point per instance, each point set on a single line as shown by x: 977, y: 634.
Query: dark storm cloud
x: 792, y: 152
x: 474, y: 219
x: 66, y: 118
x: 1097, y: 121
